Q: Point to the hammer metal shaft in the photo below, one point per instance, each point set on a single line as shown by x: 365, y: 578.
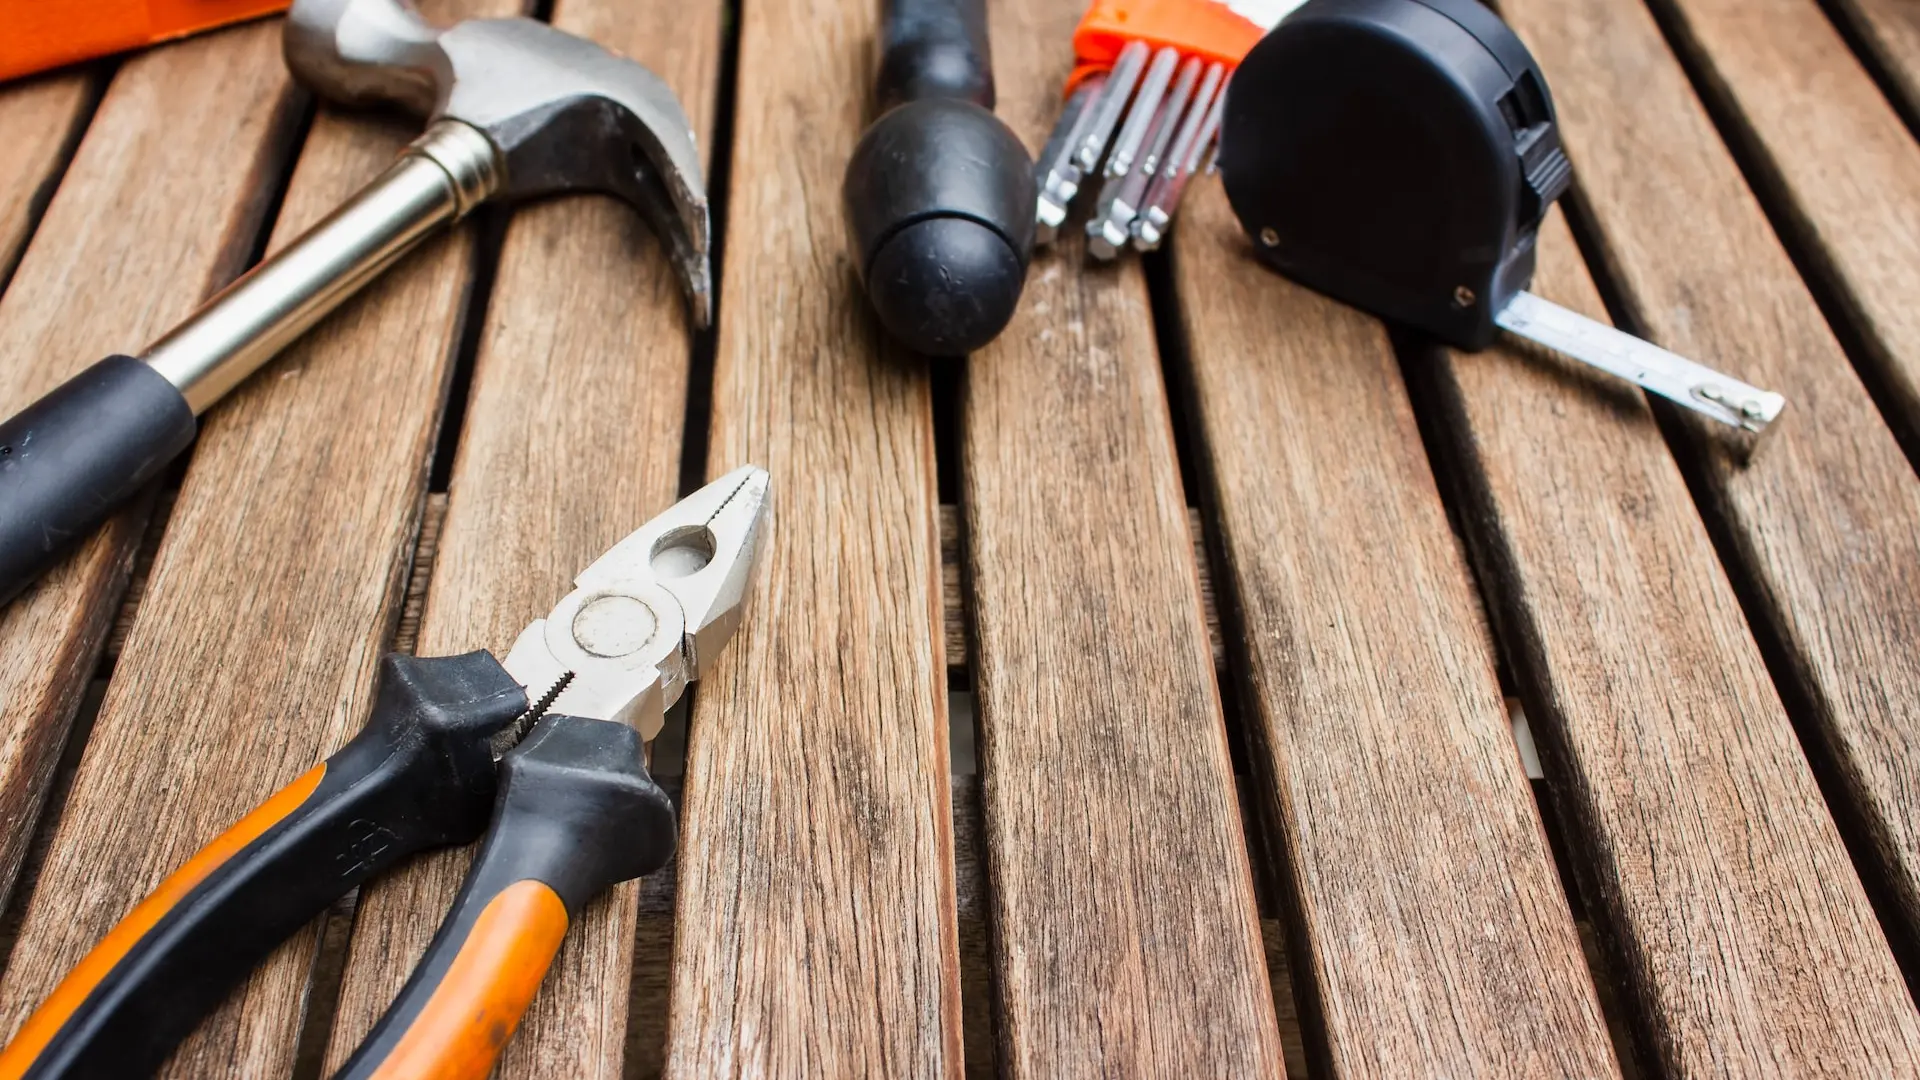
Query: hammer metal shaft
x: 438, y: 179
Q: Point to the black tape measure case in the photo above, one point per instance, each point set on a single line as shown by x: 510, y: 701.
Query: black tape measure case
x: 1398, y: 155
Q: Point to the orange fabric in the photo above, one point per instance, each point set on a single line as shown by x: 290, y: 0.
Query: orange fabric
x: 486, y: 990
x: 46, y: 1021
x: 36, y: 35
x: 1202, y: 28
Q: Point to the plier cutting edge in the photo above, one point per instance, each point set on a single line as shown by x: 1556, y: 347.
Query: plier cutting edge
x: 456, y: 748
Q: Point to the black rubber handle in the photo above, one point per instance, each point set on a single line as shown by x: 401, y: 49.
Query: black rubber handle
x: 70, y: 459
x: 576, y: 814
x: 934, y: 48
x: 419, y: 775
x: 939, y: 194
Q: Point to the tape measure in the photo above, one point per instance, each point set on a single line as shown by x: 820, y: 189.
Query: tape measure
x: 1399, y: 155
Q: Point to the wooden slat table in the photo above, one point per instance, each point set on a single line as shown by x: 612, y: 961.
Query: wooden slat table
x: 1137, y: 700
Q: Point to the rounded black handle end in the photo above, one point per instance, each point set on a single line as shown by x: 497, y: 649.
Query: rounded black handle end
x: 70, y: 459
x: 945, y: 286
x: 939, y: 197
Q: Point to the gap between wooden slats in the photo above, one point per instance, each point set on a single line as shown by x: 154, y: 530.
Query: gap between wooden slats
x: 1885, y: 34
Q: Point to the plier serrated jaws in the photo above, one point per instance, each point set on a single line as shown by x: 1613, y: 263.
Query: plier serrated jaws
x: 651, y: 614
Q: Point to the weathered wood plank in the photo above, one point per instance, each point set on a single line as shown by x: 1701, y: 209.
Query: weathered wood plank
x: 1820, y: 524
x: 1745, y: 938
x: 1840, y: 566
x: 1842, y: 165
x: 816, y: 927
x: 309, y: 480
x: 159, y: 207
x: 1126, y: 940
x: 1373, y: 695
x: 38, y: 121
x: 1890, y: 30
x: 1627, y: 587
x: 956, y: 628
x: 572, y: 440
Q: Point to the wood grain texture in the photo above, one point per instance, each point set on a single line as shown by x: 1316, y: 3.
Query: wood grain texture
x: 1842, y: 166
x: 1373, y: 694
x: 815, y: 921
x: 39, y: 119
x: 1745, y: 938
x: 159, y: 207
x: 1821, y: 522
x: 1890, y: 30
x: 1839, y: 562
x: 273, y: 590
x: 956, y: 629
x: 571, y: 441
x: 1126, y: 940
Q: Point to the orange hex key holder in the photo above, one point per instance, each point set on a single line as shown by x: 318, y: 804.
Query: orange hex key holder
x: 38, y: 35
x: 451, y: 740
x: 1144, y: 97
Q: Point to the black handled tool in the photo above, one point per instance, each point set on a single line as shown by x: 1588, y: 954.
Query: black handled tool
x: 939, y: 194
x: 1400, y: 155
x: 517, y: 110
x: 573, y: 812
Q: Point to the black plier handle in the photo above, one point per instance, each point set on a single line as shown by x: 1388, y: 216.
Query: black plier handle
x: 419, y: 775
x: 577, y: 813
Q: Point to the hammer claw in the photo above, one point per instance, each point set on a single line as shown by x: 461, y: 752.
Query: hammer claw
x: 562, y: 113
x: 681, y: 223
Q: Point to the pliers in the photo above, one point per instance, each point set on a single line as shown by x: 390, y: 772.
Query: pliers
x: 457, y: 747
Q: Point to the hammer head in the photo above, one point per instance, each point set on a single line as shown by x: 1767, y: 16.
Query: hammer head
x: 563, y: 114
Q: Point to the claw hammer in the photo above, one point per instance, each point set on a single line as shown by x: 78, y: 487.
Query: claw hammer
x: 515, y: 109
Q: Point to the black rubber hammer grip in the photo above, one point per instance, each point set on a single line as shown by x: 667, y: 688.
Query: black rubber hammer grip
x: 70, y: 459
x: 939, y: 195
